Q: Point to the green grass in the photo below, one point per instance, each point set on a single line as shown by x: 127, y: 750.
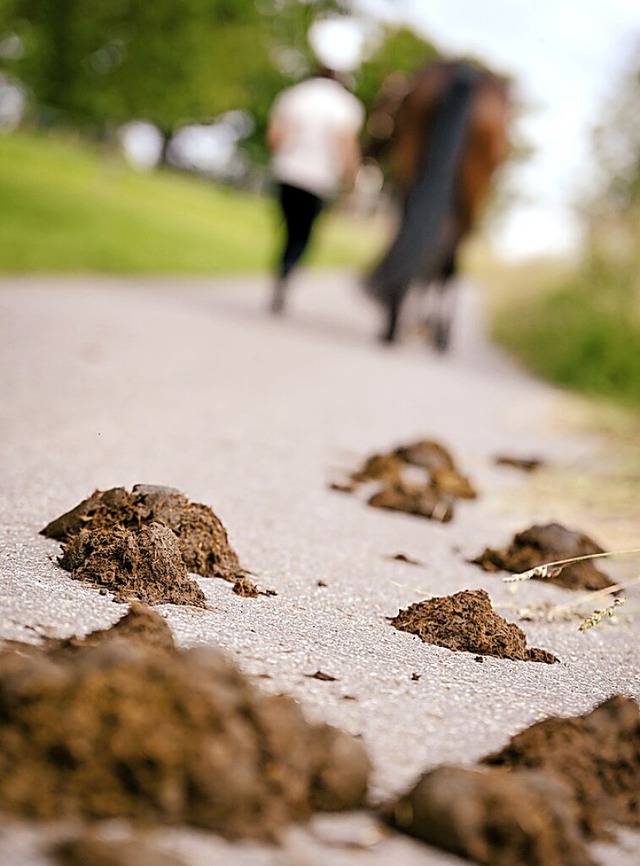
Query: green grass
x: 583, y: 333
x: 67, y: 208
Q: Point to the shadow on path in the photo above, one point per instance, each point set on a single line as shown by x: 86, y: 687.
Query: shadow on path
x: 331, y: 306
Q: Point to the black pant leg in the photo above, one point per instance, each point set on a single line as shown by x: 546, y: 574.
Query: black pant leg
x: 300, y: 210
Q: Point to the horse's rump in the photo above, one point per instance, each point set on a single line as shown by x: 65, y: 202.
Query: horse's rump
x: 449, y: 136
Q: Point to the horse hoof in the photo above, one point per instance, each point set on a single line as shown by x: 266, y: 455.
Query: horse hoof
x: 441, y: 339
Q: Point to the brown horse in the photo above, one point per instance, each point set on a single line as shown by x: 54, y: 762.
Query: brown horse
x: 446, y: 135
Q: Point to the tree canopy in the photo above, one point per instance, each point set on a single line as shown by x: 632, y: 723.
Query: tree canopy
x: 112, y: 60
x: 96, y: 65
x: 108, y: 61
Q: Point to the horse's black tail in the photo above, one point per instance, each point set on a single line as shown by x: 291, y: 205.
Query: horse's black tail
x: 417, y: 249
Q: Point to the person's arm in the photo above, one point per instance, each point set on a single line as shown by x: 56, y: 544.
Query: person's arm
x: 351, y: 157
x: 276, y: 134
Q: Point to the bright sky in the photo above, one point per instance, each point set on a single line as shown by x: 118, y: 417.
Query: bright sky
x: 567, y: 56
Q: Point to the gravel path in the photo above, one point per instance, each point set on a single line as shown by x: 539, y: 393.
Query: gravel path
x: 189, y: 383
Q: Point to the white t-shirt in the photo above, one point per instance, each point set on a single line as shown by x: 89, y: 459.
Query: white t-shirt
x: 314, y: 114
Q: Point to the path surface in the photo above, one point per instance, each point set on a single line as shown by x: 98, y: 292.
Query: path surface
x: 189, y: 383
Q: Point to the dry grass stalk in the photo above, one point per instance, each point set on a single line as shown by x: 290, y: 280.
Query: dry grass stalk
x: 552, y: 569
x: 568, y: 610
x: 598, y: 615
x: 598, y: 593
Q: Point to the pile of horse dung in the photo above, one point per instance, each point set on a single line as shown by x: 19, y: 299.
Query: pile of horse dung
x: 597, y: 755
x: 556, y: 785
x: 119, y: 726
x: 143, y: 545
x: 466, y: 622
x: 551, y: 542
x: 420, y: 478
x: 527, y: 464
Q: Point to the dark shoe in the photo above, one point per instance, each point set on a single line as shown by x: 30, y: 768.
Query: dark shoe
x: 442, y: 335
x: 278, y: 297
x: 390, y: 331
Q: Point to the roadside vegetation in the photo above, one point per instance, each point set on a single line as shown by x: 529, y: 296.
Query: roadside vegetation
x: 71, y: 207
x: 68, y: 207
x: 582, y: 330
x: 580, y: 325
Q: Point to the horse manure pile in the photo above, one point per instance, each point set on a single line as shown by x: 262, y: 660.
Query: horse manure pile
x: 526, y: 464
x: 466, y: 622
x: 113, y: 727
x: 420, y: 478
x: 143, y: 545
x: 89, y: 848
x: 145, y: 564
x: 141, y: 626
x: 548, y: 543
x: 497, y: 819
x: 554, y: 787
x: 201, y: 535
x: 597, y: 755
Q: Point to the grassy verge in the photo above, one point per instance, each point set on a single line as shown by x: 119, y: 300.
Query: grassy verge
x: 66, y: 208
x: 566, y: 323
x: 579, y: 329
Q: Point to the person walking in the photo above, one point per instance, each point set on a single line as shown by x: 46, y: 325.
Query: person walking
x: 313, y: 136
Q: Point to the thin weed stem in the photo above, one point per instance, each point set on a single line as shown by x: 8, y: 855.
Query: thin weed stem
x: 598, y: 615
x: 551, y: 569
x: 598, y: 593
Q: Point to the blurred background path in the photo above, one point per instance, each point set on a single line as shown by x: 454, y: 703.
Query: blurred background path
x: 190, y: 383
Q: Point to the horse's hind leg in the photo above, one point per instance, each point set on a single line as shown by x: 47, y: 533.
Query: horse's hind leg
x: 390, y: 330
x: 444, y: 319
x: 444, y: 304
x: 393, y: 304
